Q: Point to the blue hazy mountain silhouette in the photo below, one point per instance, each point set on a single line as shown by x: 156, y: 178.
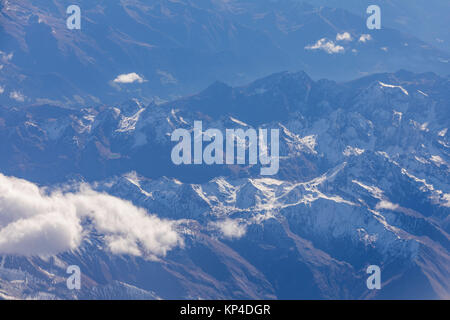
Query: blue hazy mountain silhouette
x: 181, y: 47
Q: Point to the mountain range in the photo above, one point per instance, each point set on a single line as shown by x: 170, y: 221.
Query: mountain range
x: 363, y: 180
x: 87, y: 178
x: 176, y: 48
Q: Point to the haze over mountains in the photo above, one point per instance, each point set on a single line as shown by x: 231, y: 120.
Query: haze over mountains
x: 86, y: 176
x: 180, y: 47
x: 426, y: 19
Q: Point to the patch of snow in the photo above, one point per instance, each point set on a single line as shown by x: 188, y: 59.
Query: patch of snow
x: 349, y: 151
x: 307, y: 143
x: 238, y: 122
x: 438, y: 161
x: 392, y: 86
x: 368, y: 239
x: 129, y: 123
x: 133, y: 178
x: 442, y: 133
x: 421, y: 160
x: 180, y: 119
x: 424, y: 127
x: 398, y: 115
x: 374, y: 191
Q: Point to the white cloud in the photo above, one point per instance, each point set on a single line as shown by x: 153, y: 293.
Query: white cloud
x: 230, y: 228
x: 129, y: 78
x: 365, y: 38
x: 128, y: 229
x: 2, y: 89
x: 33, y: 222
x: 16, y: 95
x: 386, y: 205
x: 326, y: 45
x: 344, y: 37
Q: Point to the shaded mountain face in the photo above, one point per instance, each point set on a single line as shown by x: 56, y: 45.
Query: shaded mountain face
x: 363, y: 180
x: 180, y: 47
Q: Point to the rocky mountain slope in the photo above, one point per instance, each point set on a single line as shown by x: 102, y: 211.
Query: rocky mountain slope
x: 363, y: 180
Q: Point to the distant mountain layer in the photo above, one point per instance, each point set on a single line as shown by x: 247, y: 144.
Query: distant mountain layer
x: 426, y: 19
x: 363, y: 180
x: 173, y: 48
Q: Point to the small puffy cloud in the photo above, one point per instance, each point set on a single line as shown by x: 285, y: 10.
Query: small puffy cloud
x: 326, y: 45
x: 232, y: 229
x: 16, y: 95
x: 364, y: 38
x: 33, y: 222
x: 129, y: 78
x: 386, y: 205
x: 2, y: 89
x: 344, y: 37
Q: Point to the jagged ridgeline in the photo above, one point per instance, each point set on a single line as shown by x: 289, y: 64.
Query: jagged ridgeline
x: 363, y: 180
